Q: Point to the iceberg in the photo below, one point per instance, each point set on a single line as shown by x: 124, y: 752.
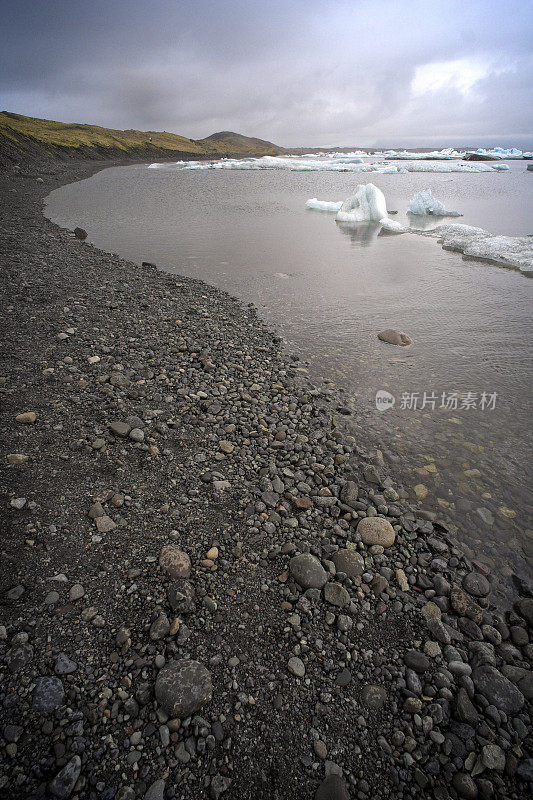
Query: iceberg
x: 425, y: 203
x: 323, y: 205
x: 508, y: 251
x: 366, y: 205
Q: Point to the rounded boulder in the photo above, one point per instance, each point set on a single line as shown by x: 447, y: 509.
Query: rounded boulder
x: 183, y: 687
x: 376, y: 530
x: 308, y: 571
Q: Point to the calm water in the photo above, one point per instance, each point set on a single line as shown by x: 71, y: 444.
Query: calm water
x: 330, y: 289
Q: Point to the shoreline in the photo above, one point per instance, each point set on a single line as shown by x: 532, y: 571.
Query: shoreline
x: 390, y: 674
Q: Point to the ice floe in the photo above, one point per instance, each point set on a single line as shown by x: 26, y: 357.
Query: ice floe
x: 366, y: 205
x: 424, y: 203
x: 323, y: 205
x: 495, y: 153
x: 356, y: 162
x: 391, y: 226
x: 434, y: 155
x: 509, y: 251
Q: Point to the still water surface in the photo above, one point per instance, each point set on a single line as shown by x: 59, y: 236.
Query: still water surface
x: 329, y: 289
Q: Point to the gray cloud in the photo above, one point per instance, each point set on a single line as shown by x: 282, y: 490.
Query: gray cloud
x: 296, y: 72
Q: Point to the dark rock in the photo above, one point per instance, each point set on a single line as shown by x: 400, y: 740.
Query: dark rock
x: 373, y: 696
x: 476, y: 584
x: 183, y: 687
x: 417, y: 661
x: 332, y: 788
x: 465, y: 786
x: 174, y: 562
x: 64, y: 782
x: 181, y: 596
x: 497, y: 689
x: 464, y: 605
x: 47, y: 695
x: 350, y: 562
x: 79, y: 233
x: 308, y: 571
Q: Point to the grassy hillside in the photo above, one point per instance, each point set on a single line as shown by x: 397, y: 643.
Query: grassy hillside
x: 27, y: 136
x: 236, y: 142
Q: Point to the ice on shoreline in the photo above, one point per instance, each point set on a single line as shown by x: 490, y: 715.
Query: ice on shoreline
x: 366, y: 205
x: 509, y: 251
x: 425, y: 203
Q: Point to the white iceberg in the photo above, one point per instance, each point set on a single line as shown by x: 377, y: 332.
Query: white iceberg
x: 425, y: 203
x: 366, y: 205
x: 323, y: 205
x: 509, y: 251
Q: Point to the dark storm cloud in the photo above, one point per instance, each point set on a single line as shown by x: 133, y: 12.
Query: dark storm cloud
x: 294, y: 72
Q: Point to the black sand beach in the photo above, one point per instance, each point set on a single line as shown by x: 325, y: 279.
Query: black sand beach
x: 208, y: 589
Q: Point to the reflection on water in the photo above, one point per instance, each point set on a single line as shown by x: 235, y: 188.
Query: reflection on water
x: 329, y: 288
x: 360, y: 233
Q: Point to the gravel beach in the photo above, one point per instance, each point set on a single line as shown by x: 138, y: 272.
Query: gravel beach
x: 208, y: 588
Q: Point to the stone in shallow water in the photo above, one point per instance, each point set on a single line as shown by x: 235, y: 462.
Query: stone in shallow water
x: 47, y: 695
x: 464, y: 605
x: 183, y: 687
x: 392, y: 336
x: 308, y: 571
x: 376, y: 530
x: 476, y: 584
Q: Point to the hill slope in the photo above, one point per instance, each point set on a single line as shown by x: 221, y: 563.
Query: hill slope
x: 236, y: 142
x: 22, y: 137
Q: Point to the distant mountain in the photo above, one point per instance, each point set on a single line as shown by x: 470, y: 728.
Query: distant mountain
x: 235, y: 142
x: 28, y: 137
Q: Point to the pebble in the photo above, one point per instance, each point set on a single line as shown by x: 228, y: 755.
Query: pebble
x: 26, y: 417
x: 296, y: 667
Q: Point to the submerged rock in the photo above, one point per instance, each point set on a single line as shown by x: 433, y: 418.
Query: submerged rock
x: 392, y: 336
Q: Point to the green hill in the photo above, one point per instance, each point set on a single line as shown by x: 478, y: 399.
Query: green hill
x: 22, y: 137
x: 237, y: 143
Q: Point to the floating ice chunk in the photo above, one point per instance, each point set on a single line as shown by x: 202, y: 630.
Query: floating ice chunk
x: 323, y: 205
x: 366, y: 205
x: 344, y: 162
x: 392, y: 226
x: 510, y: 251
x: 425, y: 203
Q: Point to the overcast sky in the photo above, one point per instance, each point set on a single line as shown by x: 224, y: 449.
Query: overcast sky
x: 296, y: 72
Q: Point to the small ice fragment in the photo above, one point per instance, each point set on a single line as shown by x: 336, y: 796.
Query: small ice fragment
x: 323, y: 205
x: 392, y: 226
x: 366, y: 205
x: 425, y: 203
